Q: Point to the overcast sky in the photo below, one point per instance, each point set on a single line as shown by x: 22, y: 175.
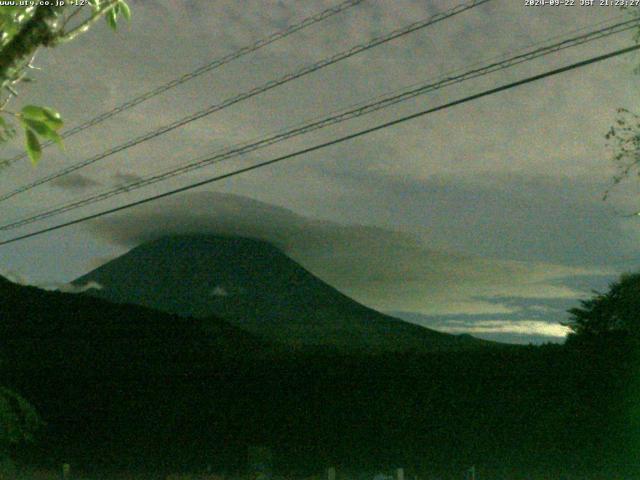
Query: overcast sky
x: 486, y: 217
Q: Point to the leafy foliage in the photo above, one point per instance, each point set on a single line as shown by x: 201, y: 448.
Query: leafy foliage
x: 615, y: 313
x: 624, y: 141
x: 19, y: 420
x: 43, y: 122
x: 12, y: 18
x: 122, y: 386
x: 23, y: 31
x: 624, y: 137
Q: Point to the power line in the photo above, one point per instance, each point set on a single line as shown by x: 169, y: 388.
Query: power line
x: 263, y: 42
x: 336, y: 141
x: 348, y: 114
x: 251, y: 93
x: 331, y: 120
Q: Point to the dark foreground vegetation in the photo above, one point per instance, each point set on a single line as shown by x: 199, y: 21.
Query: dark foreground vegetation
x: 124, y: 388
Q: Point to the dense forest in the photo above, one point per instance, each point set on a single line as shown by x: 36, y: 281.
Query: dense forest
x: 122, y: 387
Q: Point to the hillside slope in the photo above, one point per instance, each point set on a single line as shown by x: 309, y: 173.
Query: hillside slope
x: 65, y: 331
x: 253, y: 285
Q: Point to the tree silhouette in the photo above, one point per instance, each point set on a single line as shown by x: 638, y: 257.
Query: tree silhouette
x: 611, y: 315
x: 18, y: 424
x: 20, y: 420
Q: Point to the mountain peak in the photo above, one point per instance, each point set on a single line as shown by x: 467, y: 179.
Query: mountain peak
x: 264, y: 292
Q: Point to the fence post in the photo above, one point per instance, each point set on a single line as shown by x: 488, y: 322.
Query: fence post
x: 400, y: 474
x: 331, y: 473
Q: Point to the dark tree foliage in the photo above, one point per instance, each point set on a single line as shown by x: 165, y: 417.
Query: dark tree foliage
x: 125, y: 388
x: 613, y: 315
x: 19, y: 423
x: 605, y: 335
x: 18, y: 419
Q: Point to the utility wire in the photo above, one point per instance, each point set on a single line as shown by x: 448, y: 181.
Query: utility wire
x: 274, y: 37
x: 336, y: 141
x: 348, y: 114
x: 251, y: 93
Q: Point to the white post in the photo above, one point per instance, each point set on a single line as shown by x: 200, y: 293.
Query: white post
x: 400, y: 474
x: 331, y: 473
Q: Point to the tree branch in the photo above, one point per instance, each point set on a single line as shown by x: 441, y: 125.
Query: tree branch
x: 34, y: 34
x: 84, y: 26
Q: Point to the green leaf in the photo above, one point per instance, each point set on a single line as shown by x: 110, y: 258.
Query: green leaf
x: 8, y: 30
x: 124, y: 10
x: 34, y: 149
x: 33, y: 111
x: 44, y: 130
x: 43, y: 114
x: 39, y: 127
x: 54, y: 120
x: 11, y: 10
x: 56, y: 138
x: 112, y: 18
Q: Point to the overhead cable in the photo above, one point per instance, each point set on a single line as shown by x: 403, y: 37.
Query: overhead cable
x: 385, y: 102
x: 336, y: 141
x: 248, y: 94
x: 143, y: 97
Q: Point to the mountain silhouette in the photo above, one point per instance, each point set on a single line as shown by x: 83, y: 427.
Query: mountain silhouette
x: 122, y: 387
x: 77, y: 332
x: 254, y: 286
x: 97, y: 371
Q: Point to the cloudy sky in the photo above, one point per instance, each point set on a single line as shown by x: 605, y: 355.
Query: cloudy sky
x: 485, y: 218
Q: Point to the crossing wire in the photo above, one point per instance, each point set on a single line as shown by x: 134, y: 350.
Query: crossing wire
x: 274, y: 37
x: 390, y: 100
x: 251, y: 93
x: 336, y: 141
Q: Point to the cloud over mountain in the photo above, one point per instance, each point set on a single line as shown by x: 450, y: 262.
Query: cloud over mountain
x: 384, y: 269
